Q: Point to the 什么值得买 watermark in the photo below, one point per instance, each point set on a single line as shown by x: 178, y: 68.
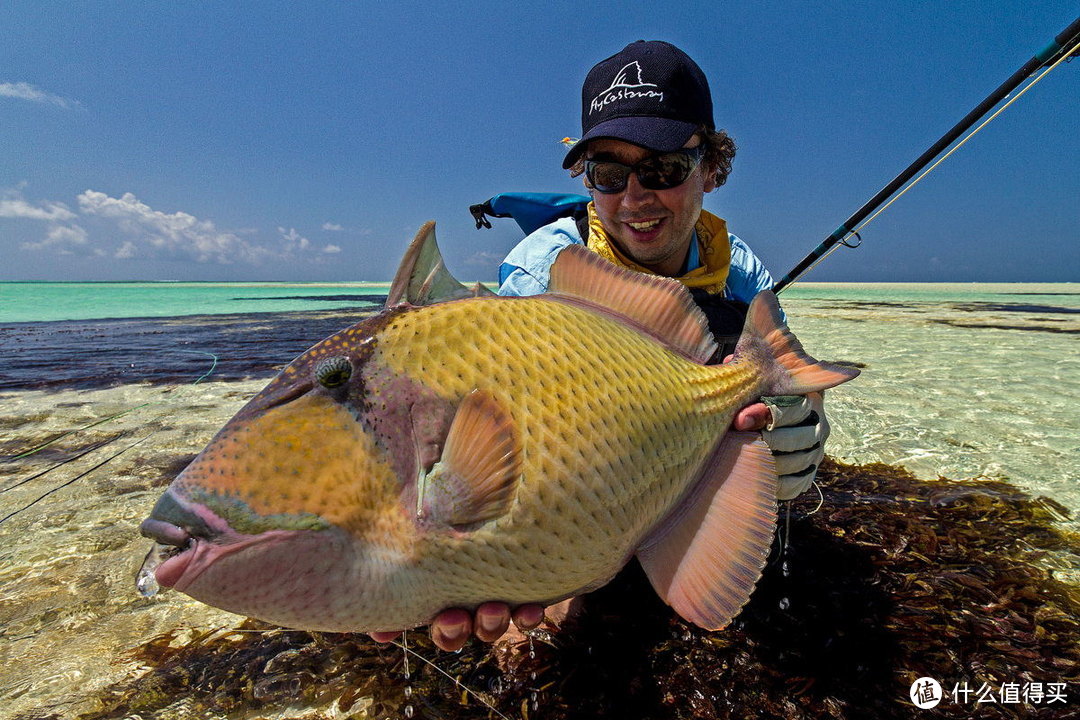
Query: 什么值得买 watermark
x: 926, y: 692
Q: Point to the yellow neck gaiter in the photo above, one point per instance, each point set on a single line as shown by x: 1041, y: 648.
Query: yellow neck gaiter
x: 714, y: 249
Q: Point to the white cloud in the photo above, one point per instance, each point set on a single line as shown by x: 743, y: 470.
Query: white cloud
x: 14, y: 205
x: 149, y: 234
x: 63, y: 239
x: 26, y: 91
x: 178, y: 235
x: 69, y: 234
x: 293, y: 240
x: 332, y: 227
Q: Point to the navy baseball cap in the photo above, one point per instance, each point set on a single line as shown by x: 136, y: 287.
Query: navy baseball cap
x: 650, y: 94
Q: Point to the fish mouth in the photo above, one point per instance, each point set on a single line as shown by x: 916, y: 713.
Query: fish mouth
x: 178, y: 531
x: 189, y: 538
x: 169, y: 558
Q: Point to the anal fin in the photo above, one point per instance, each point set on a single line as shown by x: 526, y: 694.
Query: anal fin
x: 476, y: 476
x: 706, y: 559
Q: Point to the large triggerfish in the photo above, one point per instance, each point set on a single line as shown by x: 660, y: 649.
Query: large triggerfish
x: 460, y: 447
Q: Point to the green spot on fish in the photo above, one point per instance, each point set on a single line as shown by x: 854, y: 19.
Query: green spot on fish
x: 243, y: 519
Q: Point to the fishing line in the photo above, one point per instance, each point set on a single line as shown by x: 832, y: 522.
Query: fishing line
x: 85, y: 451
x: 821, y: 499
x: 77, y: 477
x: 95, y: 446
x: 942, y: 159
x: 60, y: 437
x: 1064, y: 45
x: 451, y: 678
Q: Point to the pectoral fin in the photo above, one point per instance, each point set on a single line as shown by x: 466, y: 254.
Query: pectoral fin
x: 477, y: 475
x: 705, y: 561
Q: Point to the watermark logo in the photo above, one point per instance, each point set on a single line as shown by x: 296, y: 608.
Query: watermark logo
x: 925, y: 693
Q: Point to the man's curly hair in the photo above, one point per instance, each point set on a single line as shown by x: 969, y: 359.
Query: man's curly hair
x: 719, y: 152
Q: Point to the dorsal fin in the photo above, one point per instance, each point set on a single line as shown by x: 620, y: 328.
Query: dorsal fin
x: 422, y: 277
x: 659, y: 305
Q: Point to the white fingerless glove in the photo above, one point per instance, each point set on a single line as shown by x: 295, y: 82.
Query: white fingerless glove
x: 796, y: 435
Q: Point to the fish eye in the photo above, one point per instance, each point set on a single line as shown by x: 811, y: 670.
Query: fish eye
x: 333, y: 372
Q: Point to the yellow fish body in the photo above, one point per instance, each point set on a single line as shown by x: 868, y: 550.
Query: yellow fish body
x: 460, y: 448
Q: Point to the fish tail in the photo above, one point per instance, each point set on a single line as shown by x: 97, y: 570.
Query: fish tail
x: 767, y: 342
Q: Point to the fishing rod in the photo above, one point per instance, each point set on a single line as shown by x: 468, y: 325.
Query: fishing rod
x: 1065, y: 45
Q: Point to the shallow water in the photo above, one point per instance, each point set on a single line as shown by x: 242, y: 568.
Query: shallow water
x: 958, y: 381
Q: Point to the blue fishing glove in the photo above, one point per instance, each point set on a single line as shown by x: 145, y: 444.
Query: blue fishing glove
x: 796, y: 435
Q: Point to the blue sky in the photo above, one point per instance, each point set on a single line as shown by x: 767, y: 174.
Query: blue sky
x: 285, y: 141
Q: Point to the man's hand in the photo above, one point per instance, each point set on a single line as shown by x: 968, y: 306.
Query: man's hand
x: 450, y: 629
x: 795, y: 429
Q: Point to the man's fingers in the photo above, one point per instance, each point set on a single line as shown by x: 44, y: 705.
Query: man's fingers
x: 793, y: 439
x: 385, y: 637
x: 791, y: 486
x: 492, y: 620
x: 796, y: 463
x: 451, y: 629
x: 752, y: 417
x: 527, y: 617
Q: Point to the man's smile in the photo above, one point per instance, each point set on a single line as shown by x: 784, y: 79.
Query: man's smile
x: 644, y: 225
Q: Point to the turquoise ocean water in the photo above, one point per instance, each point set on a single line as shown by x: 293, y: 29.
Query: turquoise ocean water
x: 35, y: 302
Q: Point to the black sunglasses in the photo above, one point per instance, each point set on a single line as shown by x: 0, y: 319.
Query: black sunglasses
x: 656, y: 172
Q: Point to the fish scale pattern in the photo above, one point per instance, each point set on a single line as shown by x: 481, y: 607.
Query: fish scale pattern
x: 611, y: 426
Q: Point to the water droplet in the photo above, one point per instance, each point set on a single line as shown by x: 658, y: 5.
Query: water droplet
x: 408, y: 691
x: 409, y: 711
x: 145, y: 582
x: 532, y: 649
x: 687, y: 636
x: 785, y: 569
x: 532, y: 675
x: 784, y: 603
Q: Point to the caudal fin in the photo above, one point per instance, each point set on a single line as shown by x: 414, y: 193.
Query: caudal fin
x: 767, y: 341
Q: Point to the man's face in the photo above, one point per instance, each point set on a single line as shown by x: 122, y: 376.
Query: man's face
x: 651, y: 227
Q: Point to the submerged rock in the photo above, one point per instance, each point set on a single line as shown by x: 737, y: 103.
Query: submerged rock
x: 893, y: 579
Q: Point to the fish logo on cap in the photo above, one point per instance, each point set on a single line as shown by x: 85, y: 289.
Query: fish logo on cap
x: 627, y: 84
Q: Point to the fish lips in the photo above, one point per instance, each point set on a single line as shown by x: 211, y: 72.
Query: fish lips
x: 191, y: 538
x: 177, y: 523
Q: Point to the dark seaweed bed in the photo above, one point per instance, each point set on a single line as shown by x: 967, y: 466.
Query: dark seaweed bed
x: 893, y: 579
x: 161, y: 351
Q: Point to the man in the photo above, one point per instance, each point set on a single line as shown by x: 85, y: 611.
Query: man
x: 649, y: 152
